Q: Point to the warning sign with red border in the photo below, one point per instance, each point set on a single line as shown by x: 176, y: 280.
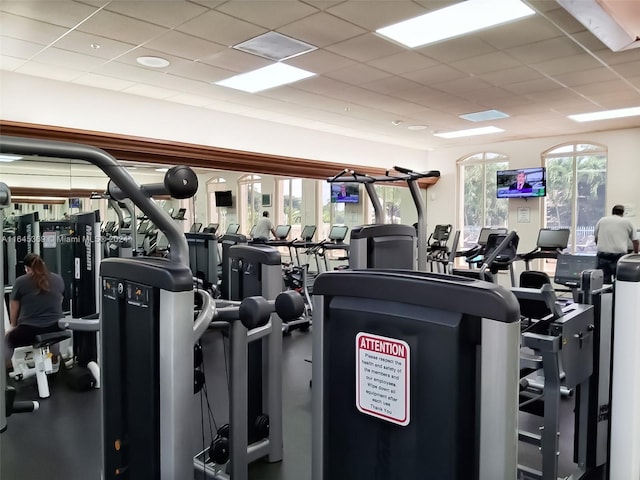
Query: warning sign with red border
x: 382, y: 377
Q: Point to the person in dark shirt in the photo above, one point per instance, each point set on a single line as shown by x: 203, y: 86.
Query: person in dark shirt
x: 35, y: 304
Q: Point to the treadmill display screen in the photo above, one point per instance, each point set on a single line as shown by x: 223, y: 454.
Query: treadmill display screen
x: 570, y: 267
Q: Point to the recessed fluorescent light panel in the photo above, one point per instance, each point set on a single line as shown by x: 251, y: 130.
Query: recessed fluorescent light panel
x: 484, y: 116
x: 469, y: 132
x: 606, y: 115
x: 9, y: 158
x: 458, y: 19
x: 274, y: 46
x: 266, y: 77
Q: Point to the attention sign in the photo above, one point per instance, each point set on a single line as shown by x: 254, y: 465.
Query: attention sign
x: 382, y: 377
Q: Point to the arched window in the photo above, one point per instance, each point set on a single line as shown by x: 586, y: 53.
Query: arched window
x: 479, y: 206
x: 250, y: 201
x: 576, y: 191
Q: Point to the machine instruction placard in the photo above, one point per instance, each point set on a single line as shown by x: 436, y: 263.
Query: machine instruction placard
x: 382, y: 377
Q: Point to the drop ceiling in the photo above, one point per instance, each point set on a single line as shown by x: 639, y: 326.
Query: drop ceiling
x: 537, y: 70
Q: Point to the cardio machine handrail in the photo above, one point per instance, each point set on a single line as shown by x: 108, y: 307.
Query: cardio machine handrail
x: 498, y: 250
x: 118, y: 175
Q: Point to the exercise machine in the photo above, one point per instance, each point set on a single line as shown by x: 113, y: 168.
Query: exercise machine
x: 550, y: 243
x: 370, y: 245
x: 625, y: 397
x: 8, y: 405
x: 255, y: 426
x: 404, y: 359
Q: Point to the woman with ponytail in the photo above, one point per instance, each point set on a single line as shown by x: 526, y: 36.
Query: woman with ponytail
x: 36, y: 304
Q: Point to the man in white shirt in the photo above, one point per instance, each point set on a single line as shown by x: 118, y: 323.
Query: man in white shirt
x: 612, y: 235
x: 263, y: 227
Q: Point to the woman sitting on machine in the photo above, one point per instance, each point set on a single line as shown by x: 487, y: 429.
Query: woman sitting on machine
x: 35, y: 306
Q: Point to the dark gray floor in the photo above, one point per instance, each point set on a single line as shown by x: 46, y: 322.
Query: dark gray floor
x: 62, y: 439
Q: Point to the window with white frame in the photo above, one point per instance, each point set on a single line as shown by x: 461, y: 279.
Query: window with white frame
x: 291, y: 205
x: 332, y: 213
x: 576, y: 191
x: 479, y: 205
x: 250, y: 203
x: 216, y: 214
x: 391, y: 201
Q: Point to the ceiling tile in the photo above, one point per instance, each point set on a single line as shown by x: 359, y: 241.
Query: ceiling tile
x: 207, y: 3
x: 403, y: 62
x: 432, y: 75
x: 365, y: 47
x: 49, y: 71
x: 460, y: 85
x: 188, y: 99
x: 615, y: 58
x: 167, y: 14
x: 185, y: 46
x: 484, y: 96
x: 10, y: 63
x: 66, y: 59
x: 390, y: 85
x: 486, y: 63
x: 100, y: 81
x: 220, y: 28
x: 321, y: 62
x: 199, y: 71
x: 457, y: 49
x: 21, y: 28
x: 269, y: 14
x: 18, y: 48
x: 596, y: 88
x: 149, y: 91
x: 532, y: 86
x: 322, y: 4
x: 120, y: 27
x: 357, y: 74
x: 427, y: 96
x: 564, y: 20
x: 64, y: 13
x: 320, y: 85
x: 375, y: 15
x: 546, y: 50
x: 611, y: 100
x: 584, y: 77
x: 574, y: 63
x: 589, y: 41
x: 514, y: 34
x: 627, y: 69
x: 321, y: 30
x: 235, y: 60
x: 510, y: 75
x: 81, y: 42
x: 127, y: 72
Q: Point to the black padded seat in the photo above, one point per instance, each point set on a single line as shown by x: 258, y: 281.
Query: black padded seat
x: 51, y: 338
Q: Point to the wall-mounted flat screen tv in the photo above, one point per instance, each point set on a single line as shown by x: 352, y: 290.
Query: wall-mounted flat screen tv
x: 345, y: 193
x: 522, y: 183
x: 224, y: 199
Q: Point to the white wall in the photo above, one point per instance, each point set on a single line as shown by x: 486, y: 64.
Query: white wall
x: 41, y: 101
x: 623, y: 172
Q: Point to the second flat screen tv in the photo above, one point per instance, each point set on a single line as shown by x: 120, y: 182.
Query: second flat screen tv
x: 345, y: 193
x: 521, y: 183
x: 224, y: 198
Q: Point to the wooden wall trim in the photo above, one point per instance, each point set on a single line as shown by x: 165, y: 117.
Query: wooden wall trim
x: 148, y: 150
x: 50, y: 192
